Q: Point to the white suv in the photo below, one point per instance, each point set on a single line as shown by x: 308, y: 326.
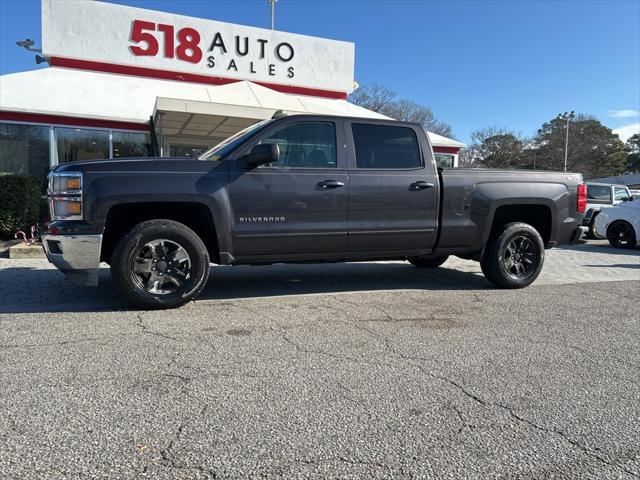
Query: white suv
x: 599, y: 196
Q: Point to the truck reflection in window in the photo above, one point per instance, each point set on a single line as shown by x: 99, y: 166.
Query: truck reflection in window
x: 384, y: 146
x: 305, y: 145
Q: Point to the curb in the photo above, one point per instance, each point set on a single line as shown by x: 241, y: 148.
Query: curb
x: 22, y: 251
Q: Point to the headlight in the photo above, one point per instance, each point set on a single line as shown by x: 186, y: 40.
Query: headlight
x: 65, y: 195
x: 65, y: 183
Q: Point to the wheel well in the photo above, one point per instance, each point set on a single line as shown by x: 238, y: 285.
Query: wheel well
x: 196, y: 216
x: 538, y: 216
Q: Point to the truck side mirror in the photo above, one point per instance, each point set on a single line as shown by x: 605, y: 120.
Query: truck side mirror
x: 260, y: 155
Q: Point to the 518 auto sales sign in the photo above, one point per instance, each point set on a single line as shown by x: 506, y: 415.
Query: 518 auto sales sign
x: 116, y: 38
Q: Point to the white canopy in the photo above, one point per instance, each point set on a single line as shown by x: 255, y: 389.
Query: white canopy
x: 217, y: 112
x: 188, y: 109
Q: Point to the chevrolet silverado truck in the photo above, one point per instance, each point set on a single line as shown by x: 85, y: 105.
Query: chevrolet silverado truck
x: 301, y: 188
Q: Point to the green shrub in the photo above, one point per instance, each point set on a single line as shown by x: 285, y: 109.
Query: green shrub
x: 20, y: 203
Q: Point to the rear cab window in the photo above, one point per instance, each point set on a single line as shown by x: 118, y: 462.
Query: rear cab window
x: 598, y: 194
x: 386, y: 147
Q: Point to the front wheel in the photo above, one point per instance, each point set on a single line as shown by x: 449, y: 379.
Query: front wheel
x: 514, y: 256
x: 621, y: 234
x: 160, y: 264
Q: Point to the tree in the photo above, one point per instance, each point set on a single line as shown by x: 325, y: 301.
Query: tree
x: 493, y: 147
x: 633, y: 150
x: 383, y: 100
x: 469, y: 156
x: 594, y: 150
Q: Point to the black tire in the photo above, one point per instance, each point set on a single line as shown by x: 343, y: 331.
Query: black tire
x: 513, y: 256
x: 160, y: 245
x: 428, y: 262
x: 621, y: 234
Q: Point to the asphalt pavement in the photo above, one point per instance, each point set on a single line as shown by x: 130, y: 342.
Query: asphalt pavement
x: 375, y: 370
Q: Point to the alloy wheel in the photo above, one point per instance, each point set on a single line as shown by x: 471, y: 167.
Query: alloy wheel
x: 161, y: 267
x: 620, y: 234
x: 520, y: 257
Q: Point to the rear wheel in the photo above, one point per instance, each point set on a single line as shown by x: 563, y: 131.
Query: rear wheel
x: 514, y: 256
x: 621, y: 234
x: 428, y: 262
x: 160, y: 264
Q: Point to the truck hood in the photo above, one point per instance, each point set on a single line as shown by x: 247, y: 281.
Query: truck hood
x: 136, y: 164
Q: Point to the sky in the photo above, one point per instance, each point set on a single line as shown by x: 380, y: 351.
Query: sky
x: 476, y: 64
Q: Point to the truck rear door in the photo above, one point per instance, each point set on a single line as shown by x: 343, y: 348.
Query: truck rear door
x: 393, y: 188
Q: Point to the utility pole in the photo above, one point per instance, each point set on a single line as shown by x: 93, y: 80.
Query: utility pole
x: 273, y: 13
x: 566, y: 116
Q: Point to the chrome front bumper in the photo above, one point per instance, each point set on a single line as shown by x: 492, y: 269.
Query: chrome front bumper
x: 77, y: 256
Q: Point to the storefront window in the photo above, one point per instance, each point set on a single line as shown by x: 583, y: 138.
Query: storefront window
x: 75, y: 144
x: 126, y: 144
x: 444, y: 160
x: 193, y: 151
x: 24, y: 149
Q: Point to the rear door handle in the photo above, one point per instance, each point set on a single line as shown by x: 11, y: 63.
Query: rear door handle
x: 421, y: 185
x: 327, y: 184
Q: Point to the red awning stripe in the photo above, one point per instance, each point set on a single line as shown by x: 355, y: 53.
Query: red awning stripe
x: 72, y: 121
x: 184, y: 77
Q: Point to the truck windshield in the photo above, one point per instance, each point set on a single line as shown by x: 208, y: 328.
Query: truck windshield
x: 227, y: 145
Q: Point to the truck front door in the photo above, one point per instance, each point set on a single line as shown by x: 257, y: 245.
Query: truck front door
x: 299, y: 204
x: 393, y: 188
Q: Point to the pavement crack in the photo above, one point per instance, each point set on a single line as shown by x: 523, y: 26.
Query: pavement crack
x: 175, y: 375
x: 51, y: 344
x: 463, y: 422
x: 13, y: 426
x: 477, y: 399
x: 355, y: 461
x: 564, y: 436
x: 307, y: 351
x: 349, y: 394
x: 166, y: 454
x: 477, y: 297
x: 145, y: 329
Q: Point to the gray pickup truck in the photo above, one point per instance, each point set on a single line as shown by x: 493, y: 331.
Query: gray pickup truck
x: 301, y: 188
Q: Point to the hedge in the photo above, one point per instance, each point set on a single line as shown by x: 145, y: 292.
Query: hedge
x: 20, y: 203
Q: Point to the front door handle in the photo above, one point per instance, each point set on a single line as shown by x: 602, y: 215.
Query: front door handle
x: 327, y: 184
x: 421, y: 185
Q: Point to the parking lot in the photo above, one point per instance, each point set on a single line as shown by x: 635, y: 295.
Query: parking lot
x: 373, y: 370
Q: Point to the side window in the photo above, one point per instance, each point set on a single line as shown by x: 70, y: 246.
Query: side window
x: 599, y: 194
x: 305, y: 145
x: 384, y: 146
x: 621, y: 194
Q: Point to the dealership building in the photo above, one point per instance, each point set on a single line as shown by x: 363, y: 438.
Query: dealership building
x: 126, y: 82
